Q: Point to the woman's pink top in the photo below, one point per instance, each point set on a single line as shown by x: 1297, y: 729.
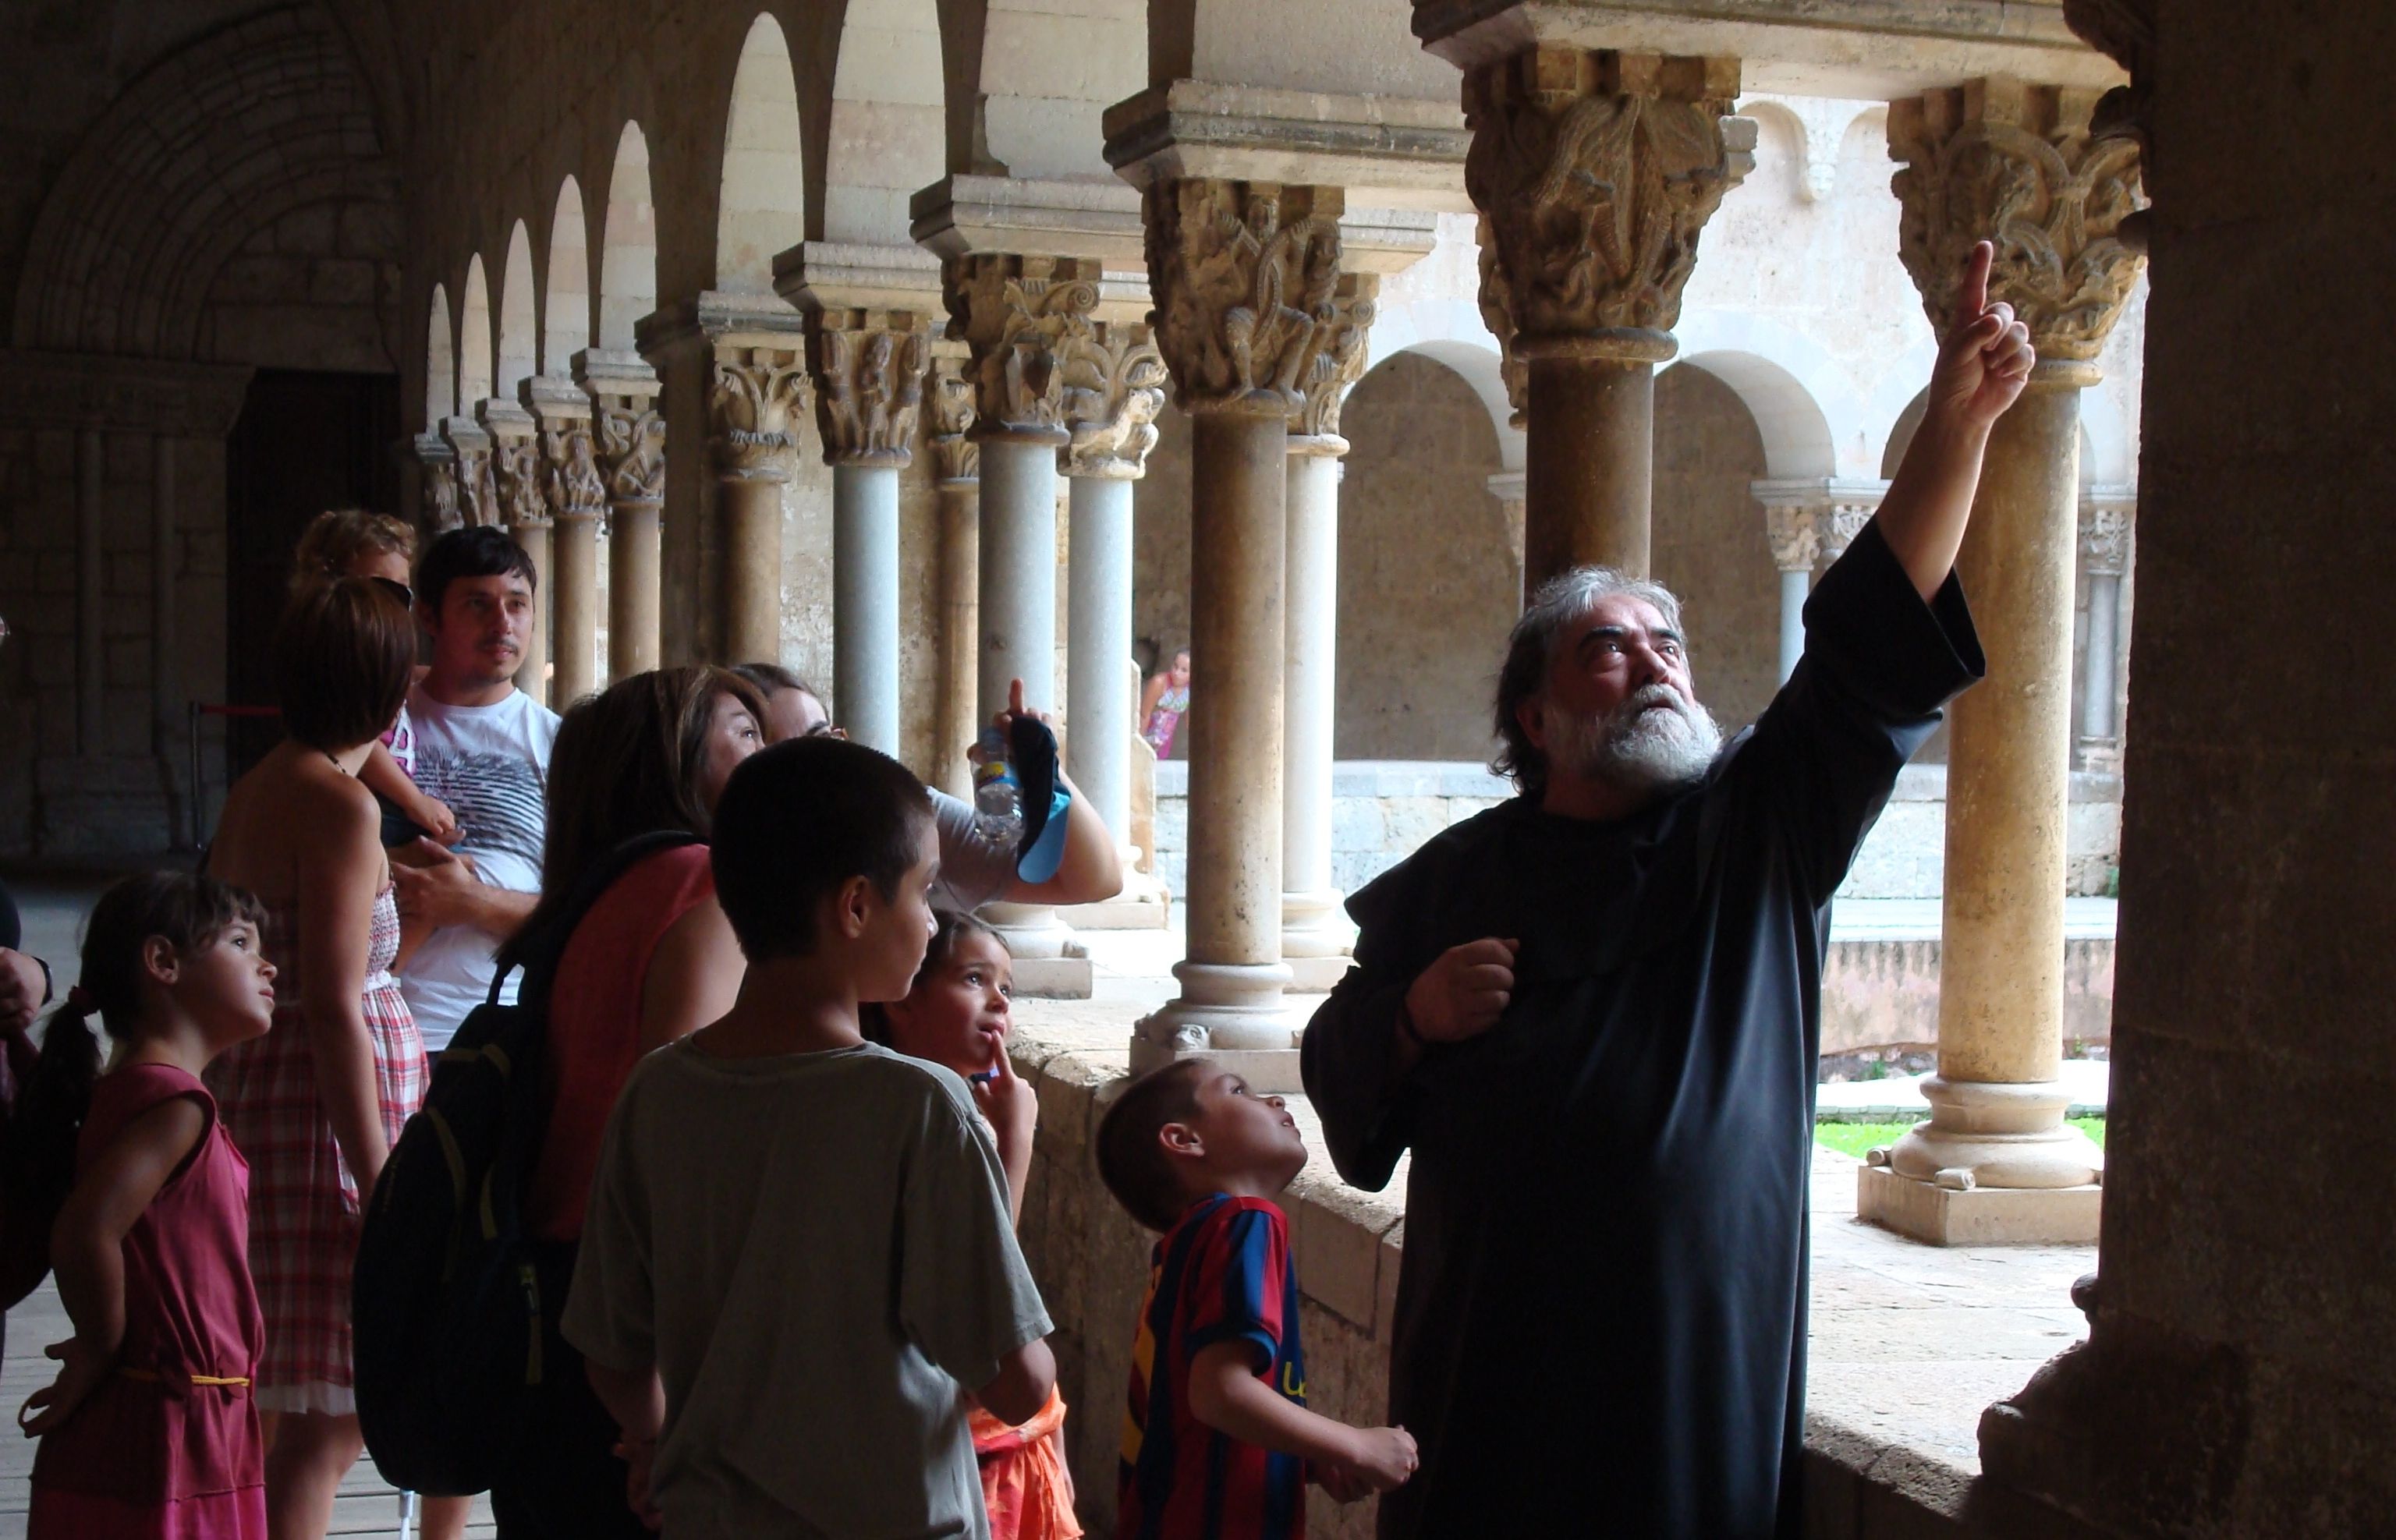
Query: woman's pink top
x: 149, y: 1437
x: 594, y: 1025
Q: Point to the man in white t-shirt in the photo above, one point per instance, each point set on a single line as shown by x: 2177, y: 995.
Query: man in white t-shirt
x: 482, y: 748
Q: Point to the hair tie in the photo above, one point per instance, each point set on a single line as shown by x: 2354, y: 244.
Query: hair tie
x: 79, y: 1001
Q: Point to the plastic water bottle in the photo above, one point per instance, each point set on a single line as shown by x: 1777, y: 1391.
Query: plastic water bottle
x: 998, y: 799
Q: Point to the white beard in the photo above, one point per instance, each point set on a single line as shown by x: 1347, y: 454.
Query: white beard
x: 1635, y: 746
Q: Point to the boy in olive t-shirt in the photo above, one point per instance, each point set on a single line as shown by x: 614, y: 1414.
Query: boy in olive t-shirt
x: 772, y: 1185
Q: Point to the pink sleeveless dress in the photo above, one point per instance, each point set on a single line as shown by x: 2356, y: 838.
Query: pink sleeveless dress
x: 304, y: 1204
x: 169, y: 1446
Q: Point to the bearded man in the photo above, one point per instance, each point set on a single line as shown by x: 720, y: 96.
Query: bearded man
x: 1592, y: 1014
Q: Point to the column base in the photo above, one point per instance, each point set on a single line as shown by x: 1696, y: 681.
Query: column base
x: 1049, y: 963
x: 1978, y: 1215
x: 1227, y: 1014
x: 1316, y: 939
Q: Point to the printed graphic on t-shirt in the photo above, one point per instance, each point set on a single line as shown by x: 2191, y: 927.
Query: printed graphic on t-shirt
x: 496, y: 799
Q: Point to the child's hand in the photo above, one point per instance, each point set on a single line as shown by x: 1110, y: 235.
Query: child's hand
x: 82, y: 1369
x: 433, y: 816
x: 639, y: 1458
x: 1012, y: 1107
x: 1381, y: 1459
x: 1339, y: 1484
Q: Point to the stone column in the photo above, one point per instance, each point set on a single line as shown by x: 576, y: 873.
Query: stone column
x: 870, y: 369
x: 1507, y: 486
x: 576, y: 496
x: 524, y: 505
x: 757, y: 383
x: 1793, y: 514
x: 1215, y: 246
x: 1316, y: 937
x: 956, y: 459
x: 164, y: 665
x: 632, y: 444
x: 91, y: 591
x: 1996, y: 158
x: 477, y: 490
x: 437, y: 469
x: 1114, y: 388
x: 1852, y: 505
x: 2105, y: 515
x: 1595, y: 172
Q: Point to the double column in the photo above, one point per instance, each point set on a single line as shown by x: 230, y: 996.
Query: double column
x: 523, y: 508
x: 630, y: 441
x: 2105, y: 515
x: 575, y: 497
x: 956, y: 462
x: 1997, y: 159
x: 1808, y: 523
x: 1595, y: 170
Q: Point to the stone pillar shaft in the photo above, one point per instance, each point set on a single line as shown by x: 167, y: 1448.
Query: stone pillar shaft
x: 865, y: 602
x: 1019, y: 570
x: 523, y: 501
x: 574, y: 495
x: 2104, y: 555
x: 631, y: 458
x: 91, y: 590
x: 575, y: 605
x: 957, y: 460
x: 165, y: 685
x: 1794, y: 531
x: 1315, y: 936
x: 1098, y: 636
x: 1588, y: 464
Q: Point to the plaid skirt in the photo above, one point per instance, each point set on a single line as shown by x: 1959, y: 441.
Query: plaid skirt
x: 304, y: 1204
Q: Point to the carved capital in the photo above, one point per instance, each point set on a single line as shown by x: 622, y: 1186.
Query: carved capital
x: 477, y: 491
x: 570, y: 475
x: 1340, y: 359
x: 869, y: 387
x: 1844, y: 520
x: 632, y: 453
x: 1594, y: 173
x: 515, y: 465
x: 2124, y: 32
x: 436, y: 481
x: 1794, y: 533
x: 1021, y: 316
x: 1998, y: 160
x: 752, y: 389
x: 1243, y: 275
x: 954, y: 455
x: 1114, y: 388
x: 2105, y: 535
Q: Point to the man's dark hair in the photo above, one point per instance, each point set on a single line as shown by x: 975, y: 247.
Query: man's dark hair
x: 1131, y: 1162
x: 478, y: 551
x: 799, y: 820
x: 343, y: 654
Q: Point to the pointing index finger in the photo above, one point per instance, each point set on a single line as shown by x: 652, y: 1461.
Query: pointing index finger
x: 1973, y: 297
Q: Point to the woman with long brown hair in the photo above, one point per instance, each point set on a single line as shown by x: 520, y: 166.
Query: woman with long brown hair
x: 318, y: 1103
x: 653, y: 960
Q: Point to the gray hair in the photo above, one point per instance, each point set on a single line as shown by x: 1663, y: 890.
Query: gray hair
x: 1531, y: 653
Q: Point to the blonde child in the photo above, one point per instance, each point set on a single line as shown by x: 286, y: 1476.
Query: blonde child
x: 150, y: 1428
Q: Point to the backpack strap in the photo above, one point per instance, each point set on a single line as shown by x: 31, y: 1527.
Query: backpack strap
x: 539, y: 954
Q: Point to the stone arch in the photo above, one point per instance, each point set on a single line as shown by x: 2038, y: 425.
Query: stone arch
x: 440, y: 362
x: 1814, y: 420
x: 1451, y: 332
x: 762, y: 208
x: 1784, y: 137
x: 885, y: 138
x: 519, y: 330
x: 1049, y: 74
x: 628, y: 252
x: 566, y: 314
x: 1796, y: 435
x: 473, y: 336
x: 182, y: 168
x: 1708, y: 543
x: 1896, y: 403
x: 2104, y: 455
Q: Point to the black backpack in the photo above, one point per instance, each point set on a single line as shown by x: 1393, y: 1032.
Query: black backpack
x: 454, y: 1308
x: 45, y: 1095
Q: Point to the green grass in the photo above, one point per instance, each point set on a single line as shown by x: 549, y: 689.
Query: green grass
x: 1855, y: 1138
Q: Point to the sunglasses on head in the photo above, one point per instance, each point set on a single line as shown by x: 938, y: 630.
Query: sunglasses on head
x: 397, y: 589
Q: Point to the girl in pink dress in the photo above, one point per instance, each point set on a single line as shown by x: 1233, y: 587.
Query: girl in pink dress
x: 150, y: 1430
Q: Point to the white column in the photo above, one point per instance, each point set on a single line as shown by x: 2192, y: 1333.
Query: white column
x: 865, y: 602
x: 1097, y: 639
x: 1315, y: 935
x: 1792, y: 524
x: 1019, y: 568
x: 2104, y: 555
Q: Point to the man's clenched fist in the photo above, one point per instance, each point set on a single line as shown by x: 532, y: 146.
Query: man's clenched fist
x: 1463, y: 994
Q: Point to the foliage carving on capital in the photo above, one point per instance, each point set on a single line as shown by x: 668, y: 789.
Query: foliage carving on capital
x: 1998, y: 160
x: 955, y: 456
x: 1114, y: 388
x: 751, y: 396
x: 515, y: 464
x: 870, y: 392
x: 1794, y: 532
x: 632, y: 453
x: 1020, y: 315
x: 1839, y: 529
x: 1244, y: 274
x: 1594, y: 174
x: 570, y: 472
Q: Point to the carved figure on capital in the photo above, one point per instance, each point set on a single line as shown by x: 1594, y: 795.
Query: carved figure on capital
x: 1245, y: 276
x: 2103, y: 539
x: 632, y: 453
x: 1339, y: 360
x: 1595, y: 175
x: 440, y: 480
x: 955, y: 456
x: 751, y: 397
x: 516, y: 463
x: 1837, y: 529
x: 1020, y: 314
x: 1793, y: 530
x: 570, y: 472
x: 870, y: 393
x: 1114, y: 387
x: 478, y: 496
x: 1999, y: 160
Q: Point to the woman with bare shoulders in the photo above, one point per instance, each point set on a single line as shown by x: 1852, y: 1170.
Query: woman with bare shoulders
x: 316, y: 1104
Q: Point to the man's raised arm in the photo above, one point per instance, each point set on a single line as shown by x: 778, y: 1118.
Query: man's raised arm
x: 1982, y: 368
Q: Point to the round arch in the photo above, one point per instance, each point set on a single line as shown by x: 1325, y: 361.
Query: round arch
x: 473, y: 336
x: 440, y: 362
x: 566, y: 317
x: 2104, y: 455
x: 1451, y: 332
x: 1814, y: 420
x: 628, y: 252
x: 519, y: 330
x: 886, y: 129
x: 762, y: 208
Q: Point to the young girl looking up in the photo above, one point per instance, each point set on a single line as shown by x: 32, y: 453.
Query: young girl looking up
x: 150, y: 1428
x: 957, y: 1015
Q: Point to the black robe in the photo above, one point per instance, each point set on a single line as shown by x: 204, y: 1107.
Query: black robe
x: 1600, y: 1322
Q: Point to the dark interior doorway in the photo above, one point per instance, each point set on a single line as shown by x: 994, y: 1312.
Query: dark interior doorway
x: 306, y: 441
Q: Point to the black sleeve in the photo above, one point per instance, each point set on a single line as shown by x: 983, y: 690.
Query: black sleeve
x: 12, y: 930
x: 1879, y: 666
x: 1348, y: 1055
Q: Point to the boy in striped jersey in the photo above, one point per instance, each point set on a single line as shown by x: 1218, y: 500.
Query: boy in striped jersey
x: 1217, y: 1441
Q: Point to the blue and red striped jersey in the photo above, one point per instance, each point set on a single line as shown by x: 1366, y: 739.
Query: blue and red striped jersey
x: 1222, y: 1273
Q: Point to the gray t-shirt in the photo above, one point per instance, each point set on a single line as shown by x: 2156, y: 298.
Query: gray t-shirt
x: 972, y: 869
x: 814, y: 1251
